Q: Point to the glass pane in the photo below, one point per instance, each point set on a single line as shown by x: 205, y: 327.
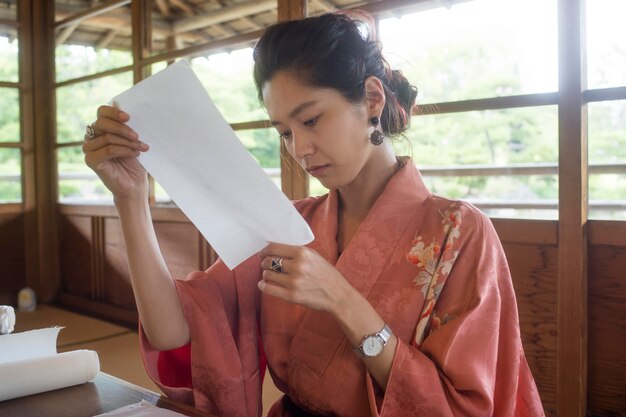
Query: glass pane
x: 77, y: 103
x: 95, y: 45
x: 606, y: 43
x: 8, y: 10
x: 476, y: 49
x: 77, y: 182
x: 607, y: 160
x: 8, y: 56
x: 10, y: 176
x: 228, y: 80
x: 9, y: 115
x: 177, y: 25
x: 504, y: 161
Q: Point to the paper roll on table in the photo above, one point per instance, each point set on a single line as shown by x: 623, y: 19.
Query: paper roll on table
x: 38, y: 368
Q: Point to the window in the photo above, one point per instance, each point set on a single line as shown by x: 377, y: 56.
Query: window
x: 606, y: 78
x: 94, y: 63
x: 471, y: 62
x: 10, y: 130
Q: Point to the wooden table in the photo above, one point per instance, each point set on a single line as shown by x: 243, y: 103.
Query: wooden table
x: 106, y: 393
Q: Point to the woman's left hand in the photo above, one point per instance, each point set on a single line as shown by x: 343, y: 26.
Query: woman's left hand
x: 307, y: 278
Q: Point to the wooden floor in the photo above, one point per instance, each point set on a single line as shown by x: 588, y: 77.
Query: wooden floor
x: 117, y: 346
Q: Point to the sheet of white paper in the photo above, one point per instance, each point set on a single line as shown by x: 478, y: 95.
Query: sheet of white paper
x: 200, y: 162
x: 141, y: 409
x: 28, y: 345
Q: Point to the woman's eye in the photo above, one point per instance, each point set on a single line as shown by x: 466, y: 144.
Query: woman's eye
x: 311, y: 122
x: 285, y: 135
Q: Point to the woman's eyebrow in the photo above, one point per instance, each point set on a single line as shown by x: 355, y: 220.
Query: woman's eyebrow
x: 299, y: 108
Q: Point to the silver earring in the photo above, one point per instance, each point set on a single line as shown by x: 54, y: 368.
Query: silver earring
x: 376, y: 136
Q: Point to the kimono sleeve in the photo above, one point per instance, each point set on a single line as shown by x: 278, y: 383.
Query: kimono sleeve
x: 472, y: 361
x: 221, y: 309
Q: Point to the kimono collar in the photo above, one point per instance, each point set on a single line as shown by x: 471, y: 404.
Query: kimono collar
x: 404, y: 191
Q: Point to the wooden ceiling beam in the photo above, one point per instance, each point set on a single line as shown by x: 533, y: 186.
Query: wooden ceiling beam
x: 223, y: 15
x: 106, y: 39
x: 185, y: 6
x: 324, y: 5
x: 248, y: 21
x: 92, y: 12
x: 66, y: 33
x: 164, y: 8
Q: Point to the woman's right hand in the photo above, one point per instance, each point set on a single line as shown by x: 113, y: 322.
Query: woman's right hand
x: 113, y: 152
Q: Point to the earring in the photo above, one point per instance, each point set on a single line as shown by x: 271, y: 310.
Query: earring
x: 376, y: 136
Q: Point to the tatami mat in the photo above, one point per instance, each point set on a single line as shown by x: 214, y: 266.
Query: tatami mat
x: 77, y: 328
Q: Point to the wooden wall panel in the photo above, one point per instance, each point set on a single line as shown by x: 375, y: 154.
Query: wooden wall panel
x: 75, y: 255
x: 606, y: 395
x: 180, y: 246
x: 117, y: 290
x: 12, y: 272
x: 534, y: 272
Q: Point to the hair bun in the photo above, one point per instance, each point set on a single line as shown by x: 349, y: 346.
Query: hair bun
x: 404, y: 92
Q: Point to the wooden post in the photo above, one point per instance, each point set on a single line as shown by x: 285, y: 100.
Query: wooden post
x: 40, y: 173
x: 294, y: 180
x: 572, y: 278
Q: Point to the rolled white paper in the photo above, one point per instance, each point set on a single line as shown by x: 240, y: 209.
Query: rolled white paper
x: 7, y: 319
x: 32, y: 376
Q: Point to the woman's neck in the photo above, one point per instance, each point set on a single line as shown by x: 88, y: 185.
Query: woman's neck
x: 357, y: 198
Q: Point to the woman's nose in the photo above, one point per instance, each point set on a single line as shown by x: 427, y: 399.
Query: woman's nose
x: 302, y: 145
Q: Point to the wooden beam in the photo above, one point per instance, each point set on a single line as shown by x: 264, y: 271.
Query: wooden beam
x: 572, y: 276
x: 185, y: 6
x: 223, y: 15
x: 492, y: 103
x: 326, y: 6
x: 66, y: 33
x: 379, y: 7
x: 9, y: 84
x: 294, y: 180
x: 95, y: 11
x: 213, y: 46
x: 603, y: 94
x: 122, y: 23
x: 164, y: 8
x: 9, y: 23
x: 40, y: 186
x: 248, y: 21
x: 106, y: 39
x: 141, y: 31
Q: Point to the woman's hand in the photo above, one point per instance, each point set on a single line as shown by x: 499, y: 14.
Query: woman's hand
x: 112, y: 154
x: 307, y: 278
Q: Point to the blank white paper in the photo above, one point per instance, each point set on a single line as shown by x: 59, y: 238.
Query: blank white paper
x: 197, y: 158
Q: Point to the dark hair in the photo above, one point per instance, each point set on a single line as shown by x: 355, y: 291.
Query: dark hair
x: 339, y: 51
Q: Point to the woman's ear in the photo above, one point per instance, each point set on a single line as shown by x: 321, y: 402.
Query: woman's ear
x: 374, y: 96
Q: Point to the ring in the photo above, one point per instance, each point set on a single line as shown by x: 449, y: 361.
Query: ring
x: 90, y: 132
x: 277, y: 265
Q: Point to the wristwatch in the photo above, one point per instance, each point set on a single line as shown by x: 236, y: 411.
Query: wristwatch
x: 373, y: 344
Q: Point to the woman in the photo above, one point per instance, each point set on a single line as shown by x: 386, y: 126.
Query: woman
x: 359, y: 322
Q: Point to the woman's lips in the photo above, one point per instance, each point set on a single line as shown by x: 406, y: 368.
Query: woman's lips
x: 317, y: 170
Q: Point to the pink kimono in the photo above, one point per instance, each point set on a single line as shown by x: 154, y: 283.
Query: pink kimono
x: 459, y: 351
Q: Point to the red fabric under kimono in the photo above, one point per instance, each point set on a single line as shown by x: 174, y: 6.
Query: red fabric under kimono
x: 434, y: 270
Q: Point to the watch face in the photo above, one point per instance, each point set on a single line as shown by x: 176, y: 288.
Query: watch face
x: 372, y: 346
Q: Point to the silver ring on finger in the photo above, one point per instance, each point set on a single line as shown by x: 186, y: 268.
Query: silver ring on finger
x: 277, y: 265
x: 90, y: 132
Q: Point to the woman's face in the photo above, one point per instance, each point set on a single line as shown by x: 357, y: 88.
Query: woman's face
x: 323, y: 131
